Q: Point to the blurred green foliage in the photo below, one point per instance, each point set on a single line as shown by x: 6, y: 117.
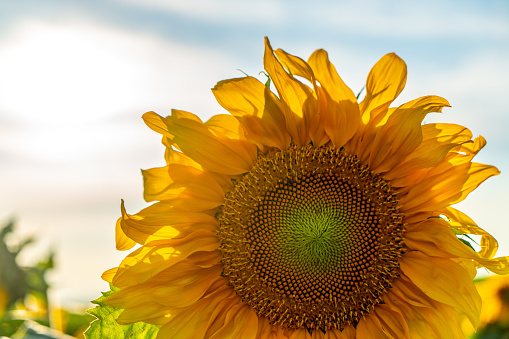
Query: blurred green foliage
x: 25, y: 310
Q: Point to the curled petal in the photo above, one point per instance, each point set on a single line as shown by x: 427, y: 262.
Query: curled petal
x: 438, y: 141
x: 435, y: 238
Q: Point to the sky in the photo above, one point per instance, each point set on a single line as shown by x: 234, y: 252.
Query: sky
x: 76, y: 76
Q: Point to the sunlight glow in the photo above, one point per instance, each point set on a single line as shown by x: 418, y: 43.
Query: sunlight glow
x: 52, y: 75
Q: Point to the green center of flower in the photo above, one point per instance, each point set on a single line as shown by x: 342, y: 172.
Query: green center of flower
x: 310, y: 238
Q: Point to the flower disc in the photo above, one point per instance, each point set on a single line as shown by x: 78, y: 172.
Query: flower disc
x: 311, y: 238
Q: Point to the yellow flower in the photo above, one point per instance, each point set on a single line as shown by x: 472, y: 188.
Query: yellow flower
x: 306, y: 214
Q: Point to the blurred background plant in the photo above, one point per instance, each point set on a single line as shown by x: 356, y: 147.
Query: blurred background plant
x: 494, y: 322
x: 25, y: 309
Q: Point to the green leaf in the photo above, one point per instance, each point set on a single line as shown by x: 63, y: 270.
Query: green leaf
x: 77, y: 322
x: 106, y: 326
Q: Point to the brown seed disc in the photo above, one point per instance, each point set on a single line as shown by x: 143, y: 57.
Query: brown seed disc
x: 311, y: 238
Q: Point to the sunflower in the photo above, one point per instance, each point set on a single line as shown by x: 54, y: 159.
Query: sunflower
x: 305, y: 214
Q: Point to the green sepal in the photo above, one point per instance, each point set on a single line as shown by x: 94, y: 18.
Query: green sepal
x: 106, y: 326
x: 267, y: 83
x: 467, y: 243
x: 360, y: 92
x: 457, y: 232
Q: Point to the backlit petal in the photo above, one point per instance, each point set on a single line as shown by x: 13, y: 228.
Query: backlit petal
x: 257, y: 109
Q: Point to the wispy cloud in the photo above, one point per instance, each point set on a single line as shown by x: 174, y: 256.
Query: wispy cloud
x: 393, y: 18
x: 219, y: 11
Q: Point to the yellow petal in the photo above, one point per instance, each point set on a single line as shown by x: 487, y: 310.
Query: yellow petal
x: 181, y: 286
x: 183, y: 182
x: 161, y: 221
x: 299, y: 104
x: 341, y: 114
x: 218, y: 317
x: 436, y: 321
x: 156, y: 185
x: 385, y: 81
x: 156, y: 123
x: 392, y: 322
x: 449, y: 325
x: 443, y: 280
x: 446, y: 188
x: 109, y: 274
x: 173, y: 156
x: 268, y: 331
x: 329, y: 79
x: 300, y: 333
x: 216, y: 153
x: 146, y: 262
x: 348, y: 333
x: 316, y: 120
x: 122, y: 241
x: 241, y: 322
x: 369, y: 327
x: 463, y: 223
x: 404, y: 289
x: 435, y: 238
x: 194, y: 321
x: 295, y: 65
x: 146, y: 312
x: 438, y: 140
x: 474, y: 147
x: 257, y: 108
x: 402, y: 133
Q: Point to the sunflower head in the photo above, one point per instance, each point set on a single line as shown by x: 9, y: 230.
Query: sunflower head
x: 305, y: 212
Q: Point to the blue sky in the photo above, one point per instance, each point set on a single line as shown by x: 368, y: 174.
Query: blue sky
x: 76, y: 76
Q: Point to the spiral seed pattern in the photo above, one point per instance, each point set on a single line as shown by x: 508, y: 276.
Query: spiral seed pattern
x: 311, y: 238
